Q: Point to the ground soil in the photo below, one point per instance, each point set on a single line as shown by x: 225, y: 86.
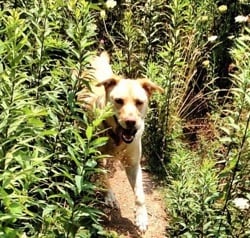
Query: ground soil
x: 122, y: 221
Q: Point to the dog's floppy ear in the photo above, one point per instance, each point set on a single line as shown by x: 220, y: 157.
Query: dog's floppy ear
x: 150, y: 87
x: 101, y: 67
x: 109, y: 83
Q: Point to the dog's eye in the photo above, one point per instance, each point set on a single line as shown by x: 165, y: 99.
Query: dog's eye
x: 119, y: 101
x: 138, y: 102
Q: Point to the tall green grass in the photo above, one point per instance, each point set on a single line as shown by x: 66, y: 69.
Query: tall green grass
x: 49, y: 150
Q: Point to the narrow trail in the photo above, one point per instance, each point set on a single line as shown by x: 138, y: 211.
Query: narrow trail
x: 123, y: 221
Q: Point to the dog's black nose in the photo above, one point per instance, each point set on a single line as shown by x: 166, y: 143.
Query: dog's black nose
x: 130, y: 123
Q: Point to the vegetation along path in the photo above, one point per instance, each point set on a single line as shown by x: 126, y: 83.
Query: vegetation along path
x: 123, y: 221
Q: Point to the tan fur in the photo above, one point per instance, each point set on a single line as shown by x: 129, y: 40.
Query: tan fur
x: 129, y: 99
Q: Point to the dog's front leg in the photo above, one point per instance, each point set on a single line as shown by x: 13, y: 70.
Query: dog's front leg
x: 109, y: 196
x: 134, y: 175
x: 110, y: 199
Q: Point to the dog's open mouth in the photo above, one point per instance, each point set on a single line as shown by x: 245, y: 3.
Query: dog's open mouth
x: 127, y: 135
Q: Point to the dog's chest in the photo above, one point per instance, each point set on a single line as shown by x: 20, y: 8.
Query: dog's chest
x: 117, y: 152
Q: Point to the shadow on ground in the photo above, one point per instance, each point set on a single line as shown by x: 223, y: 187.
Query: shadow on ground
x: 114, y: 221
x: 122, y: 221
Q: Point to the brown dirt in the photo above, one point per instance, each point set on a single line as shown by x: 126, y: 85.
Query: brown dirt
x: 122, y: 221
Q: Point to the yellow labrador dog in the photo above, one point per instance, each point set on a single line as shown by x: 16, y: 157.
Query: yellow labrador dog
x: 129, y: 99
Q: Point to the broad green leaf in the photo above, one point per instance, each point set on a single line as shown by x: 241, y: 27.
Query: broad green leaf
x: 91, y: 163
x: 35, y: 122
x: 48, y: 210
x: 98, y: 142
x: 89, y: 132
x: 16, y: 208
x: 79, y: 181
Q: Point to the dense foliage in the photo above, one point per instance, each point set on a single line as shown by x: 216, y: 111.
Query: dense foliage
x: 48, y: 148
x: 197, y: 133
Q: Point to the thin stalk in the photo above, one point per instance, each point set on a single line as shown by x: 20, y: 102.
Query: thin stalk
x: 71, y: 219
x: 235, y: 169
x: 169, y: 92
x: 39, y: 72
x: 230, y: 146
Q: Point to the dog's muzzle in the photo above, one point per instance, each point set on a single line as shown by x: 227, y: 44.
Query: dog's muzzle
x: 126, y: 134
x: 120, y: 133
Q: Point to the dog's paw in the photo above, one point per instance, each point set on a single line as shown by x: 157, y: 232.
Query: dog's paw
x: 141, y: 218
x: 110, y: 200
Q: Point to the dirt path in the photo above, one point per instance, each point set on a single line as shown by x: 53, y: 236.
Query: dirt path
x: 123, y: 221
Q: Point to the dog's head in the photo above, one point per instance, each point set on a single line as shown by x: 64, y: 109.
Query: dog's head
x: 129, y: 98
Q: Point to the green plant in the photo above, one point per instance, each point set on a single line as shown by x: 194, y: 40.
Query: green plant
x: 184, y: 68
x: 190, y: 196
x: 208, y: 195
x: 236, y: 140
x: 49, y: 150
